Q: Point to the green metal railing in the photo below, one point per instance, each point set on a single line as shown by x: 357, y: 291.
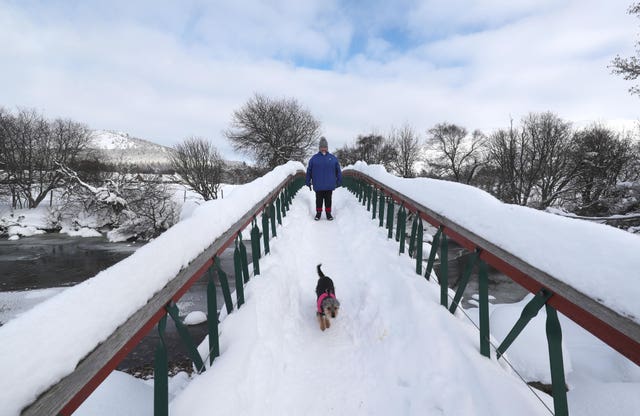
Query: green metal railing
x: 65, y: 396
x: 366, y: 190
x: 242, y: 277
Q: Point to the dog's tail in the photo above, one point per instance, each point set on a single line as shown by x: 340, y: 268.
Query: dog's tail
x: 320, y: 271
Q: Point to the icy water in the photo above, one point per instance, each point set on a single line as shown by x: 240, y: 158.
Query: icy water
x: 56, y: 260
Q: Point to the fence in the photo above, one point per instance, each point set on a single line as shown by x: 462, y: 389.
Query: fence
x: 618, y: 331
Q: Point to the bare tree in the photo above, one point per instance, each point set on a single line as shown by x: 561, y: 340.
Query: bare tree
x: 407, y: 150
x: 32, y: 146
x: 372, y: 148
x: 629, y: 68
x: 200, y: 165
x: 552, y: 149
x: 132, y: 205
x: 603, y: 159
x: 533, y: 163
x: 273, y: 132
x: 455, y: 154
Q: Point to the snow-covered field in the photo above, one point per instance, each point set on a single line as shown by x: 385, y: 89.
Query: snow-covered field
x: 392, y: 350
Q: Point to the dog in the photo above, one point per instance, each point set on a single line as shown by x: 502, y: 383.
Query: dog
x: 328, y: 305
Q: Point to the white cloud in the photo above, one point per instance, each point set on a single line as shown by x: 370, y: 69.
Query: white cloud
x: 167, y: 72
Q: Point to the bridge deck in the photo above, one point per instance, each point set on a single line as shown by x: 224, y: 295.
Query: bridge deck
x: 393, y: 349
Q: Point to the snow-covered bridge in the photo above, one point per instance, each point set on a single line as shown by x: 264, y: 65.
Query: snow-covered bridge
x: 394, y: 348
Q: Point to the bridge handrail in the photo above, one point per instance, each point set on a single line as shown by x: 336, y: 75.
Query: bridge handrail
x: 616, y: 330
x: 66, y: 395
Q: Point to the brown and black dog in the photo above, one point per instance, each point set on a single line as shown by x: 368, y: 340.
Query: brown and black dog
x: 328, y: 305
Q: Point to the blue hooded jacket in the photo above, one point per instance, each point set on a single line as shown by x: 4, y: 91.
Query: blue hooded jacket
x: 324, y: 172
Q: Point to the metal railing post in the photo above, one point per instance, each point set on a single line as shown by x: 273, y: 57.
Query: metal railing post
x: 419, y: 237
x: 273, y: 212
x: 483, y: 293
x: 237, y: 268
x: 265, y: 229
x: 374, y: 200
x: 161, y: 374
x: 381, y: 207
x: 558, y: 384
x: 401, y: 229
x: 443, y: 279
x: 390, y: 215
x: 212, y: 317
x: 255, y: 247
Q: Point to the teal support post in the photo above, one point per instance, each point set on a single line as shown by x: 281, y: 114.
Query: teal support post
x: 558, y: 384
x: 528, y: 313
x: 278, y: 213
x: 435, y: 242
x: 419, y: 237
x: 368, y: 197
x: 212, y: 317
x: 444, y: 270
x: 483, y: 293
x: 390, y: 217
x: 255, y: 247
x: 401, y: 230
x: 273, y: 212
x: 464, y: 280
x: 283, y: 195
x: 243, y: 259
x: 237, y: 268
x: 161, y: 374
x: 172, y: 309
x: 374, y: 201
x: 412, y: 239
x: 224, y: 285
x: 381, y: 205
x: 265, y: 230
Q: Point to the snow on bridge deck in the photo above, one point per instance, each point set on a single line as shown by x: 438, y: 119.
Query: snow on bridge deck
x: 392, y: 350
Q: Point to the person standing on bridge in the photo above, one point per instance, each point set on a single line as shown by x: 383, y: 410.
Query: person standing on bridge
x: 325, y: 174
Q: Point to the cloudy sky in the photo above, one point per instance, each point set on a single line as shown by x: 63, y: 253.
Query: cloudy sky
x: 166, y: 70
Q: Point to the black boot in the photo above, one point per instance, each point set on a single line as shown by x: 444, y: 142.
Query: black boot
x: 318, y: 216
x: 329, y: 216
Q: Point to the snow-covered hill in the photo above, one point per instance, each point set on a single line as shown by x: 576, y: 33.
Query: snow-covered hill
x: 121, y: 148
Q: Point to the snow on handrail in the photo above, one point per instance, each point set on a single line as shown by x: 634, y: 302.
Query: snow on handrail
x: 591, y: 268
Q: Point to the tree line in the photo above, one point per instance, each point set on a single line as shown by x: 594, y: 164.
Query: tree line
x: 540, y: 162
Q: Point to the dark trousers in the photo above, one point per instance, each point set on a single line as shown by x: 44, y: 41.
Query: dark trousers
x: 323, y: 196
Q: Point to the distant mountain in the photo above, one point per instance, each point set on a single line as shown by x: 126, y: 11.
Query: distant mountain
x: 121, y: 148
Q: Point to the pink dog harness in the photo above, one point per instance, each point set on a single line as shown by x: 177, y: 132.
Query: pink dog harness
x: 323, y: 297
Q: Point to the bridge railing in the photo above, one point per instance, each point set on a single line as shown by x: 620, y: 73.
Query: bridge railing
x: 65, y: 396
x: 619, y: 332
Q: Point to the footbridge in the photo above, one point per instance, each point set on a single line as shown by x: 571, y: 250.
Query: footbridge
x: 402, y: 344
